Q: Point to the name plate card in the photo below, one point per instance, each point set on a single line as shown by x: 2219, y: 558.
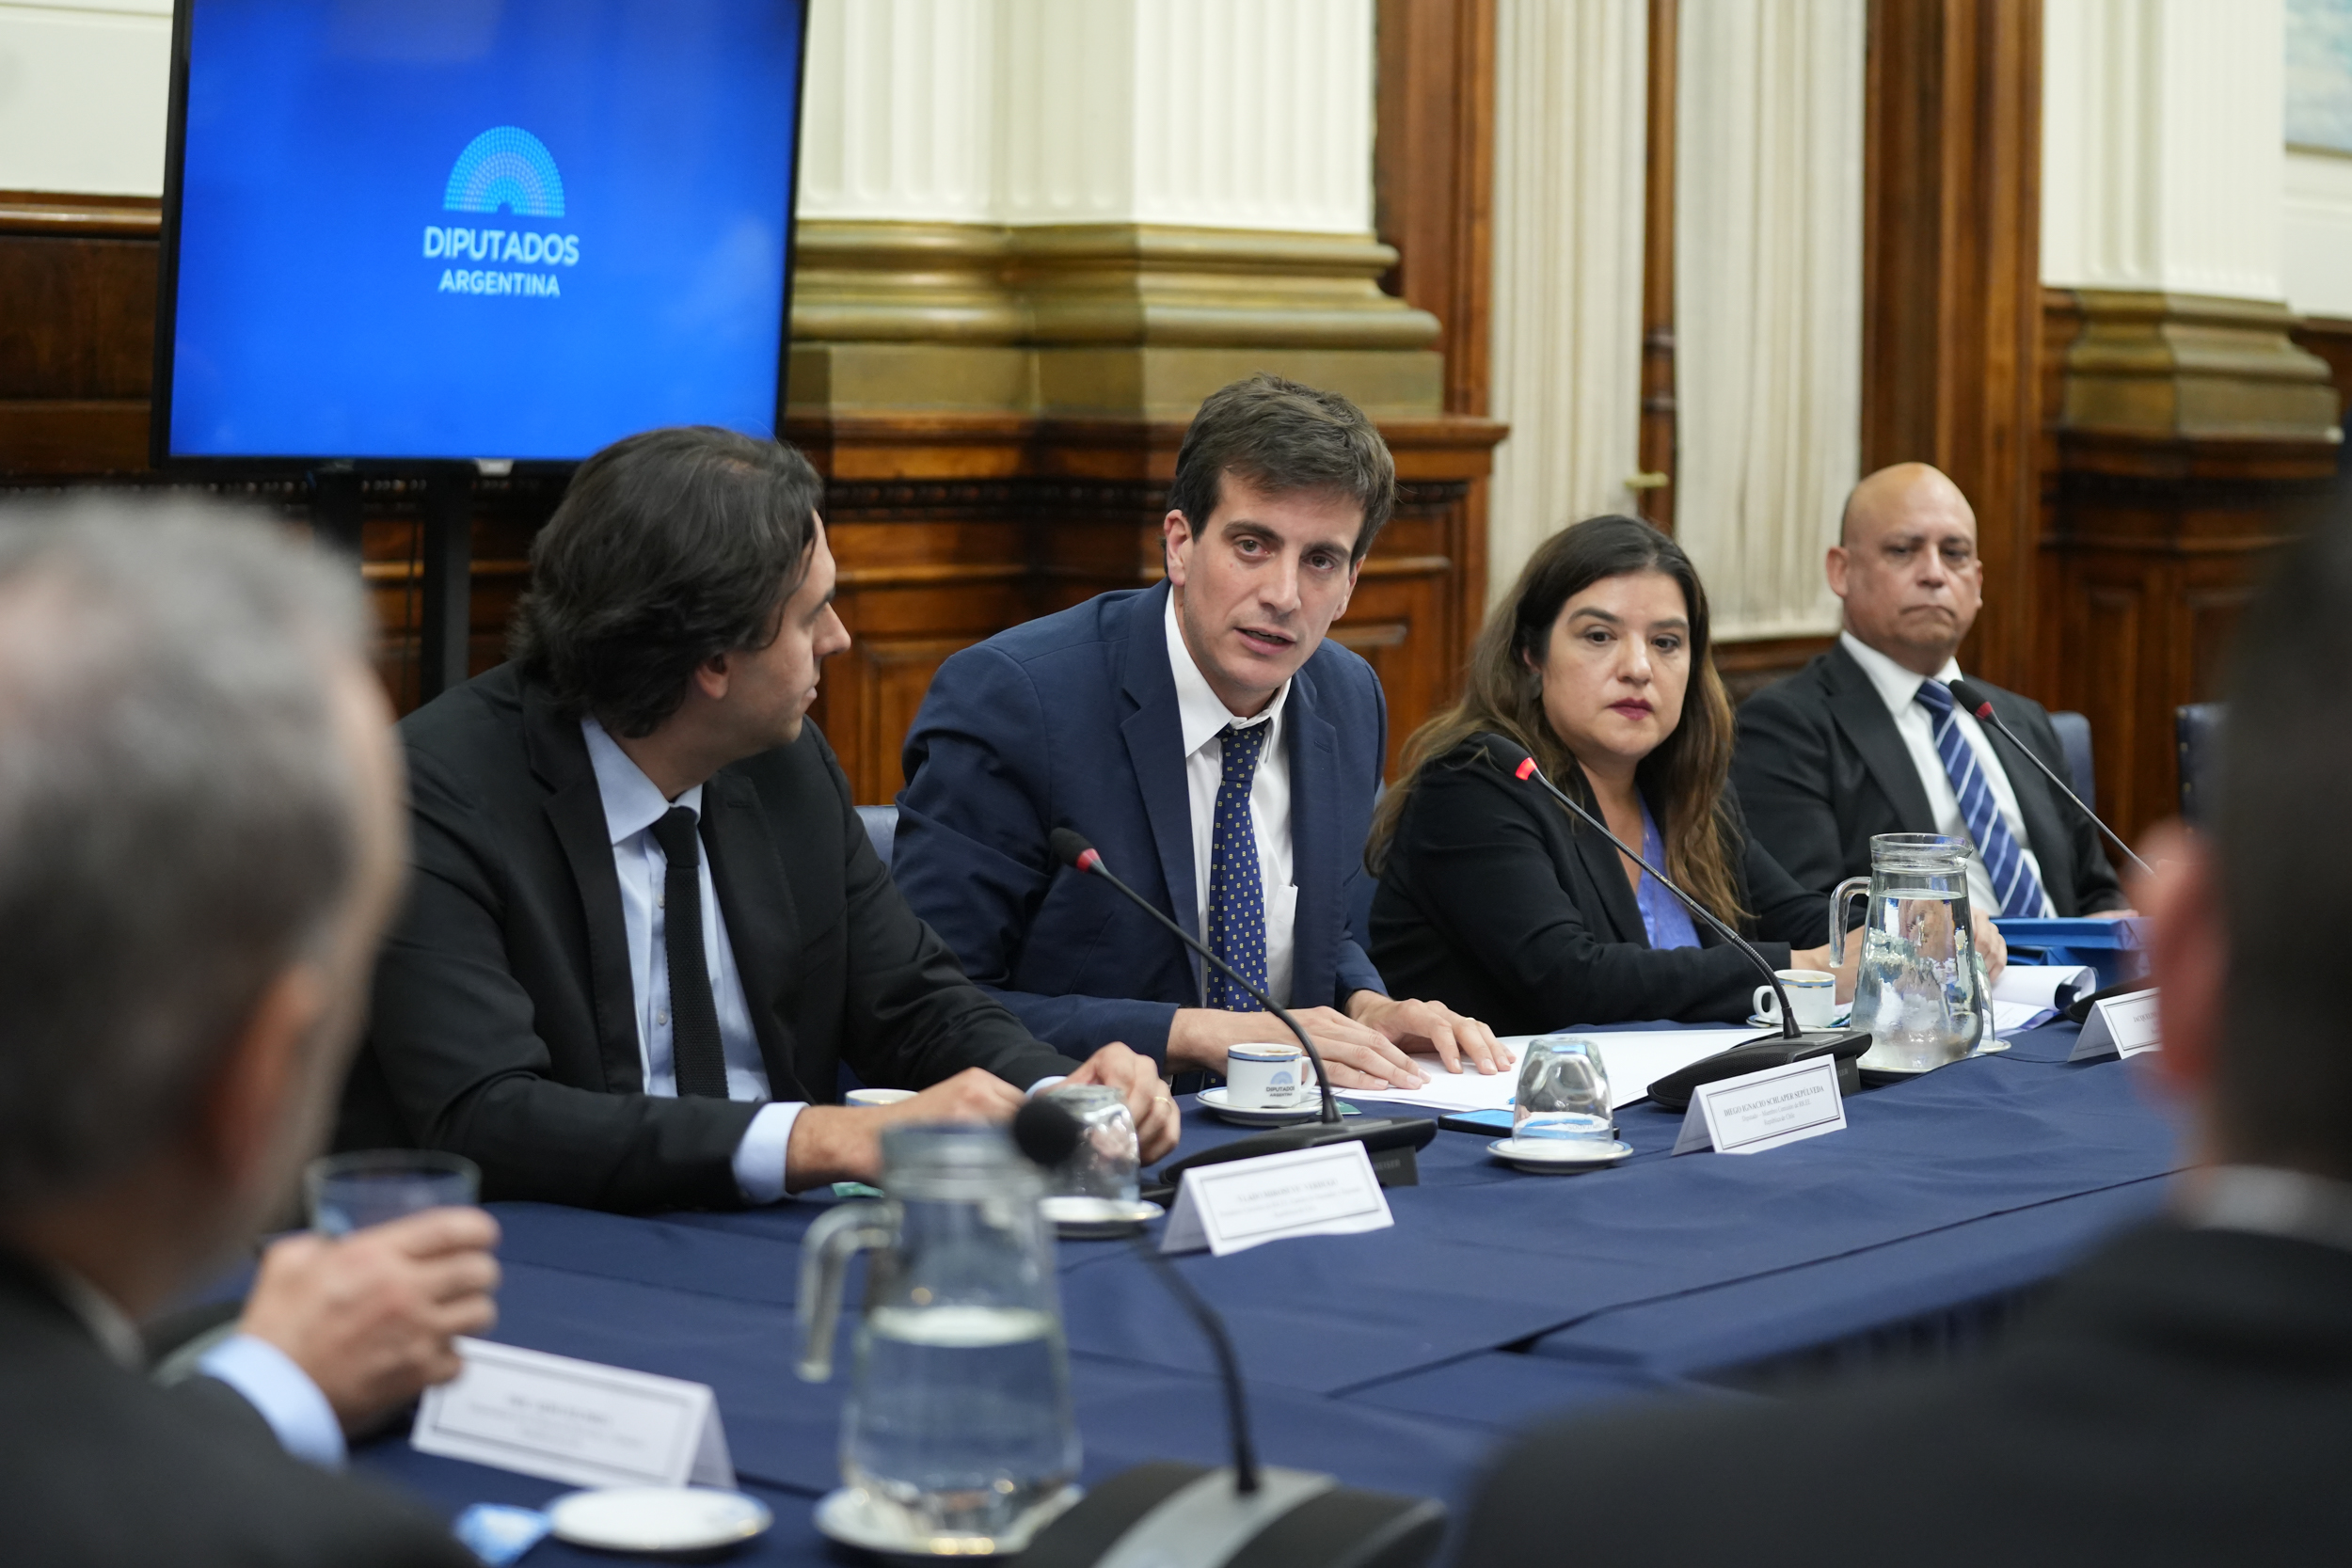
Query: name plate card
x: 575, y: 1421
x: 1763, y: 1110
x: 2120, y: 1026
x: 1232, y: 1207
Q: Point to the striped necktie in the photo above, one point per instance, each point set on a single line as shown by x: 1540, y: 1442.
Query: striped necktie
x: 1237, y: 892
x: 2015, y: 888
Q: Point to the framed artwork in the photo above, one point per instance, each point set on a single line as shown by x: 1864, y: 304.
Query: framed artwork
x: 2319, y: 76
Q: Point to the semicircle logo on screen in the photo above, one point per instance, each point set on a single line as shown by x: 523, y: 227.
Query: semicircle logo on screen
x: 504, y: 171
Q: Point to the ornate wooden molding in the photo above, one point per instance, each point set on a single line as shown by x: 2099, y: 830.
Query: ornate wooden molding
x: 2168, y: 364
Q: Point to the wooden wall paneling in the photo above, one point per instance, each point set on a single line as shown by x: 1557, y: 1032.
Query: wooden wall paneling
x: 1657, y: 437
x: 77, y: 289
x: 1433, y: 182
x: 1951, y: 286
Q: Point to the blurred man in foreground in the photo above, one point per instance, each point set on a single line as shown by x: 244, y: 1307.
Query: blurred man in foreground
x: 199, y: 841
x: 2185, y: 1395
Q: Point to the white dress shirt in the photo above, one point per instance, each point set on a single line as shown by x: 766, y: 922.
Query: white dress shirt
x: 632, y: 804
x: 1898, y: 688
x: 1203, y: 717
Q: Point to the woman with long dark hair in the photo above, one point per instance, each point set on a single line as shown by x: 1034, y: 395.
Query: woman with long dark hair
x: 1495, y: 899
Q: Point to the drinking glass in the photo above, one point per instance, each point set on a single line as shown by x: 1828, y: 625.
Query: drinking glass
x: 1562, y: 1091
x: 1109, y: 1154
x: 351, y: 1192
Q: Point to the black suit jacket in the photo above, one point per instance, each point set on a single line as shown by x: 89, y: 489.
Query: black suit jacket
x: 100, y: 1467
x: 504, y: 1024
x: 1822, y: 770
x: 1497, y: 903
x: 2185, y: 1396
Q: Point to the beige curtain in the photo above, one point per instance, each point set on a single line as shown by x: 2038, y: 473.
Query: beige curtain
x: 1767, y: 301
x: 1569, y: 109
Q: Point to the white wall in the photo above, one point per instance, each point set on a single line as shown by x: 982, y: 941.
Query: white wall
x: 2318, y: 260
x: 84, y: 90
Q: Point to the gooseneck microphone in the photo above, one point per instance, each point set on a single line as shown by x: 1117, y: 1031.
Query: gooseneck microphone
x: 1979, y: 704
x: 1187, y: 1515
x: 1389, y: 1140
x: 1791, y: 1044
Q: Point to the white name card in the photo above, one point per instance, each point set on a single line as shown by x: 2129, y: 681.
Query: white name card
x: 2120, y: 1026
x: 1231, y: 1206
x: 1763, y: 1110
x: 575, y: 1421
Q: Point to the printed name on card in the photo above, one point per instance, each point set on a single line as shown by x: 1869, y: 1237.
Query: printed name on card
x: 2120, y: 1026
x: 575, y: 1421
x: 1326, y: 1191
x: 1763, y: 1110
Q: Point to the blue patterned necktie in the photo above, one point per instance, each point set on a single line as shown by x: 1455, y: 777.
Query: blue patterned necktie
x: 1236, y: 895
x: 2015, y: 886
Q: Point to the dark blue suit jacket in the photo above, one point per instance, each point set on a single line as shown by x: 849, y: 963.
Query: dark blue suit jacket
x: 1071, y: 722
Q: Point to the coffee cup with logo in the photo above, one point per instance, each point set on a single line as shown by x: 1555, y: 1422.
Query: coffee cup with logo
x: 1264, y: 1077
x: 1812, y: 995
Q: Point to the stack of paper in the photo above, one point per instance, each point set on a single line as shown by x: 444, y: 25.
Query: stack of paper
x: 1633, y: 1059
x: 2026, y: 994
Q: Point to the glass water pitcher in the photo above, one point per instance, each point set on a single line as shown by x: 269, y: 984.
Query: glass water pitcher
x: 958, y: 1414
x: 1919, y: 988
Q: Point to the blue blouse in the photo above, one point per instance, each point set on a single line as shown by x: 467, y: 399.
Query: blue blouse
x: 1664, y: 917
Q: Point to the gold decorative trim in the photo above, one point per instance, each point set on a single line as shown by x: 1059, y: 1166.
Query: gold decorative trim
x: 2168, y: 364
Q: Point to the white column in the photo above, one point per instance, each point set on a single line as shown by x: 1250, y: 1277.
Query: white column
x: 2163, y: 156
x: 1570, y: 118
x: 899, y: 119
x: 84, y: 90
x: 1768, y: 302
x: 1219, y: 114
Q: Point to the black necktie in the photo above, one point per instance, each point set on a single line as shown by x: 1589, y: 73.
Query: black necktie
x: 696, y: 1057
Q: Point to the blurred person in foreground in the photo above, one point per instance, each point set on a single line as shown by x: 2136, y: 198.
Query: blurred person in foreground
x: 199, y: 841
x: 2185, y: 1395
x: 645, y: 928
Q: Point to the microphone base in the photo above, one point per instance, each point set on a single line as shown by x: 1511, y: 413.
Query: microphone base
x: 1389, y: 1141
x: 1673, y: 1092
x: 1190, y: 1516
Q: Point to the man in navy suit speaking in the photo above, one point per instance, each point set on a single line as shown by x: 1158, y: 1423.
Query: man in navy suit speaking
x: 1217, y: 751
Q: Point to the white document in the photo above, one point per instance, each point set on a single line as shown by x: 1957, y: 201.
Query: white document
x: 1763, y: 1110
x: 575, y: 1421
x: 2015, y: 1018
x: 2038, y: 984
x: 2120, y: 1026
x: 1634, y: 1059
x: 1240, y: 1204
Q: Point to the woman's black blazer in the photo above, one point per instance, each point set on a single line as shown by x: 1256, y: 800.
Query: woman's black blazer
x: 1497, y: 902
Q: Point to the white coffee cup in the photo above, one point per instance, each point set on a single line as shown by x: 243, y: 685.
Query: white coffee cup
x: 1812, y: 993
x: 1264, y: 1077
x: 878, y: 1097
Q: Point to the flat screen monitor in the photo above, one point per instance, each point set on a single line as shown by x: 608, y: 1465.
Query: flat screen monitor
x: 436, y: 229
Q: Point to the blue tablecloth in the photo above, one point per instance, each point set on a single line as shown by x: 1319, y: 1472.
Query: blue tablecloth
x: 1396, y: 1358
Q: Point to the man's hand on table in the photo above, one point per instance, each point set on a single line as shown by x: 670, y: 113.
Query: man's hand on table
x: 1990, y: 946
x: 1138, y: 1077
x: 1431, y: 1027
x: 843, y: 1143
x: 1359, y: 1055
x: 370, y: 1317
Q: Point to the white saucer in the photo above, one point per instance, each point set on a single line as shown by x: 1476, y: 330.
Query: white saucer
x: 657, y: 1518
x: 1242, y: 1115
x: 1093, y: 1219
x: 1550, y: 1155
x: 851, y: 1516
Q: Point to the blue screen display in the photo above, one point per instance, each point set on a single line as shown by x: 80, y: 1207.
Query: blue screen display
x: 494, y: 229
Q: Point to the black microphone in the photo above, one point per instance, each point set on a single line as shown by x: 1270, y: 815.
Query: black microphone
x: 1791, y: 1044
x: 1389, y: 1140
x: 1192, y: 1515
x: 1979, y: 704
